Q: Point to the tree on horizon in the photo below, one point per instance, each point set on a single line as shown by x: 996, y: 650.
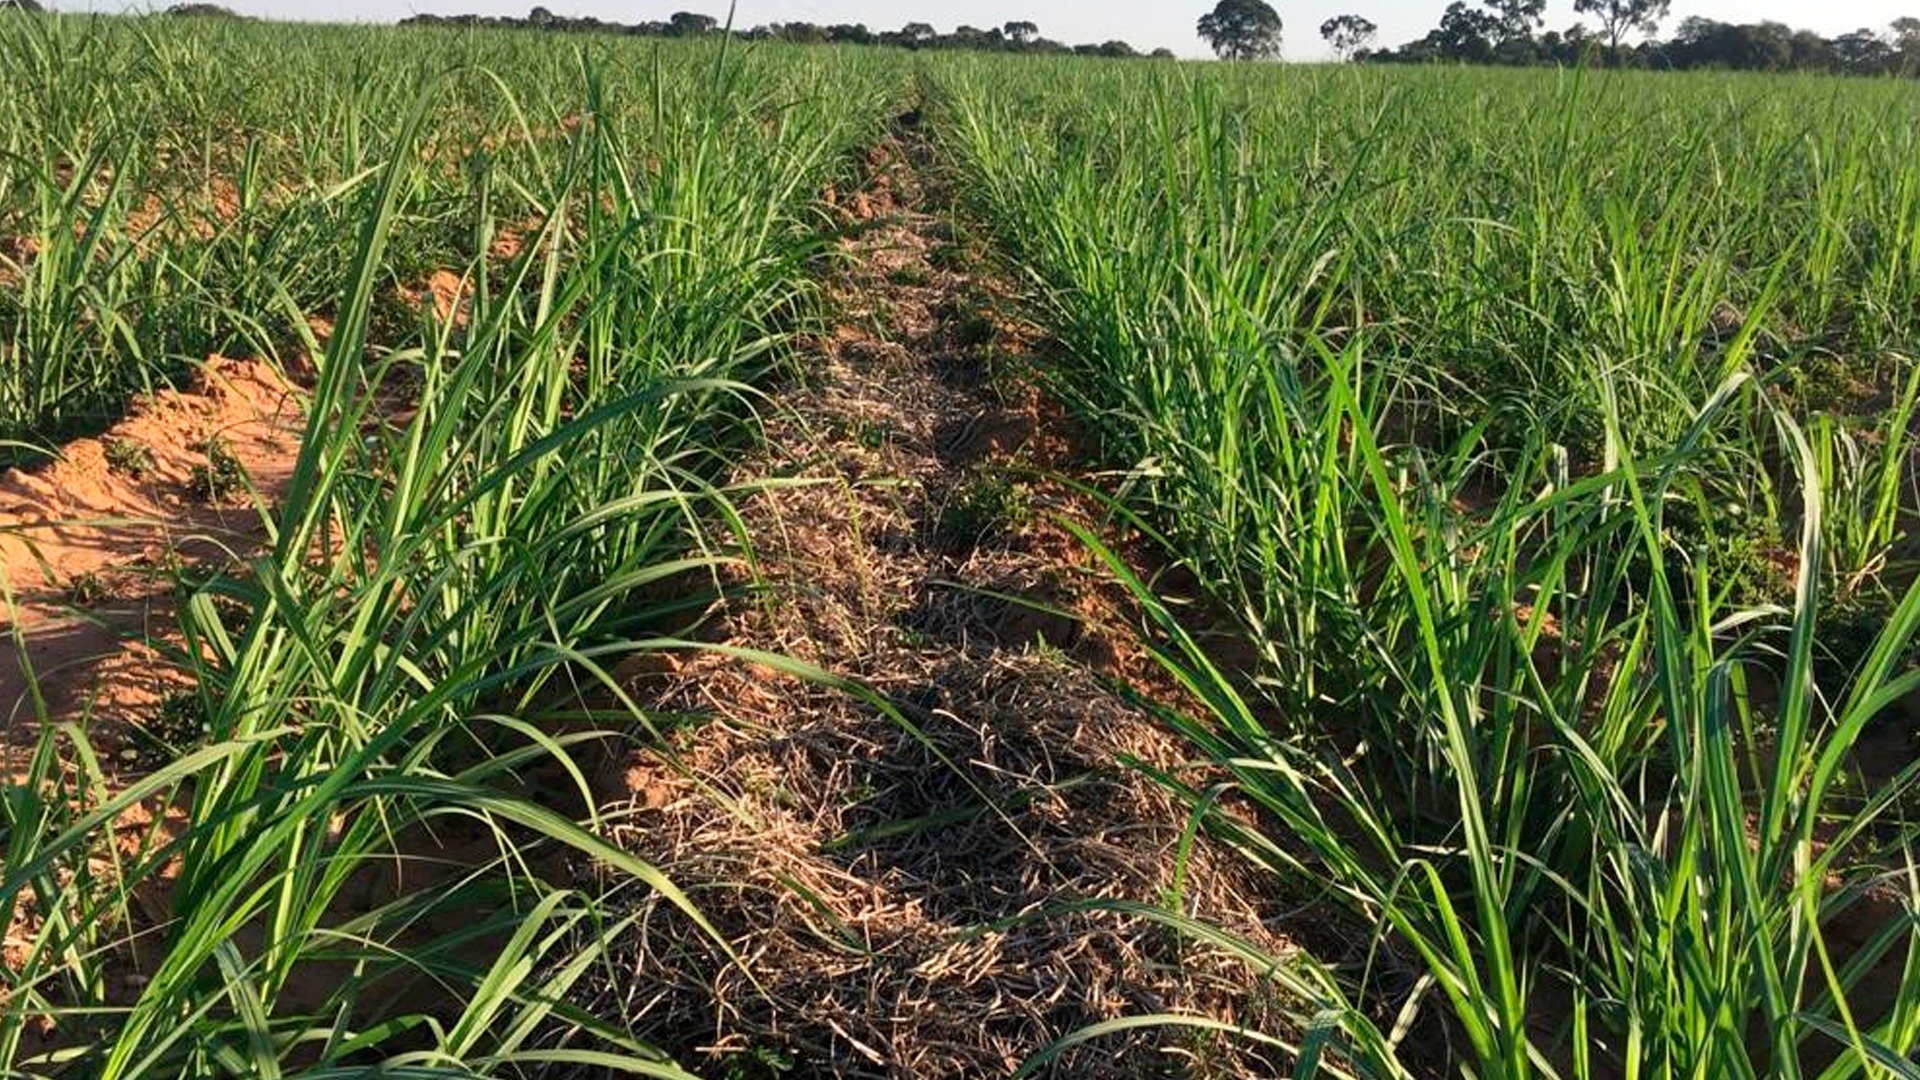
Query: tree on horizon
x: 1618, y: 17
x: 1242, y: 30
x: 1517, y: 18
x: 1348, y: 34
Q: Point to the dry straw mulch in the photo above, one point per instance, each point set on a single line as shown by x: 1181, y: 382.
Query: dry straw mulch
x: 899, y: 891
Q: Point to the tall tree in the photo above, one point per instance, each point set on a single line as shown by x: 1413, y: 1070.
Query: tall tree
x: 1906, y: 39
x: 1702, y: 42
x: 1864, y: 52
x: 853, y: 33
x: 1242, y: 30
x: 688, y: 24
x: 1618, y: 17
x: 1517, y: 18
x: 1465, y: 33
x: 1348, y: 34
x: 1020, y: 31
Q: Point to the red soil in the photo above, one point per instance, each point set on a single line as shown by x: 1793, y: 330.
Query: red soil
x: 85, y: 542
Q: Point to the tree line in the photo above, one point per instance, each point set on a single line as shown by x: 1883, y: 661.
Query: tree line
x: 1505, y: 32
x: 1482, y: 36
x: 196, y: 9
x: 1511, y: 32
x: 1018, y: 36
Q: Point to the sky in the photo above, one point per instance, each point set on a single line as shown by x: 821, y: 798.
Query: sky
x: 1146, y: 24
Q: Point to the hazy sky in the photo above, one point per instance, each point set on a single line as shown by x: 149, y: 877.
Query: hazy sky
x: 1147, y: 24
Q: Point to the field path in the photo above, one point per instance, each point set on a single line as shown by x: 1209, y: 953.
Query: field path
x: 873, y: 877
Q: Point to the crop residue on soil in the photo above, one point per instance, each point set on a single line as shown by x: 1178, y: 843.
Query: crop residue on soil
x: 894, y: 884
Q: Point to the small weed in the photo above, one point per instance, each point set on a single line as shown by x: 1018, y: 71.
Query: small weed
x: 1743, y: 553
x: 1042, y: 649
x: 130, y: 459
x: 221, y: 477
x: 778, y: 794
x: 1824, y: 382
x: 973, y: 331
x: 912, y: 275
x: 86, y: 588
x: 181, y: 721
x: 1850, y: 622
x: 759, y: 1063
x: 873, y: 435
x: 950, y: 257
x: 969, y: 320
x: 1008, y: 377
x: 882, y: 319
x: 988, y: 503
x: 170, y: 564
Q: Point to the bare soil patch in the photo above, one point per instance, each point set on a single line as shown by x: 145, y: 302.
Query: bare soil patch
x: 90, y: 544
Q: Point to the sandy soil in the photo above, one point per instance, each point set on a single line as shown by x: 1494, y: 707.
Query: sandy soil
x: 90, y: 542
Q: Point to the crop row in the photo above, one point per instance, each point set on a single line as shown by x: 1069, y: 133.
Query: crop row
x: 1547, y: 438
x: 496, y: 498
